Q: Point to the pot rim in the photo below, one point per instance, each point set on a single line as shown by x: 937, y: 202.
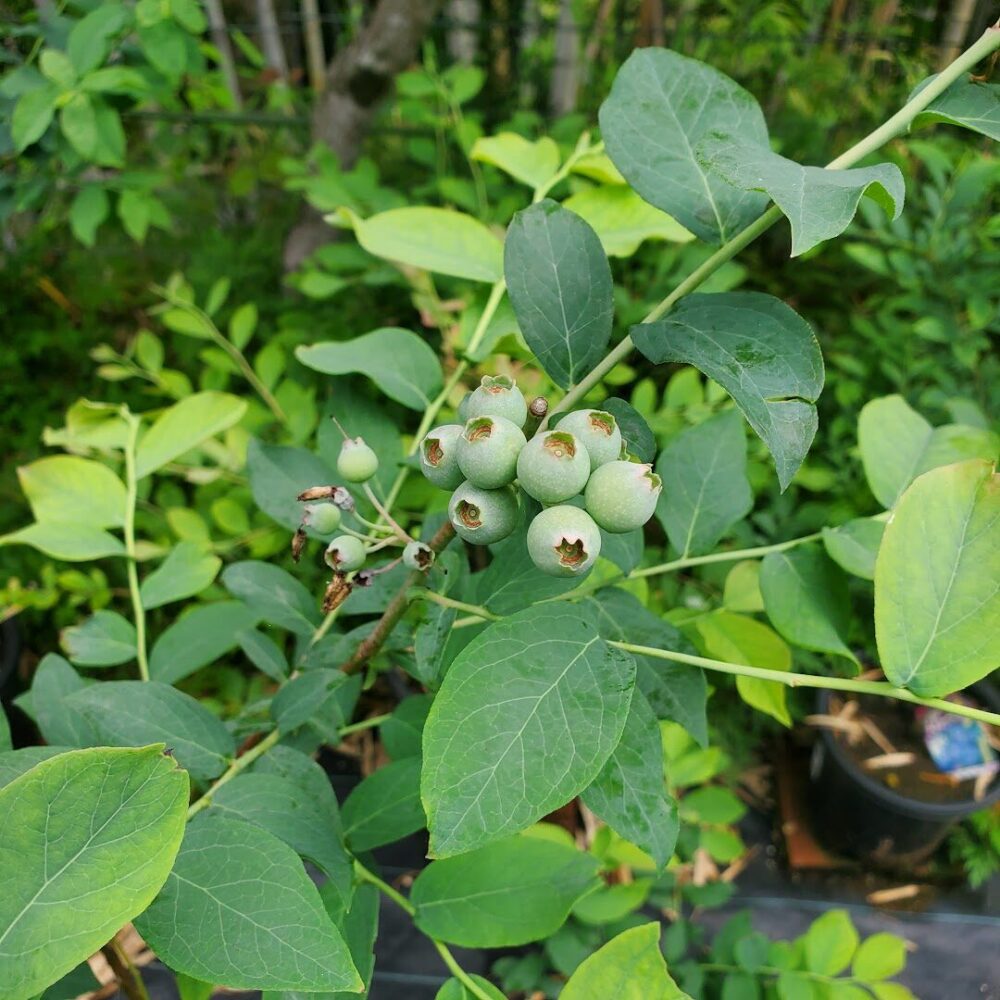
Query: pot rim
x: 987, y: 693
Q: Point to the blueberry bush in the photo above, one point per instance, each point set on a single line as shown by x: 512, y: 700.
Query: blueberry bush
x: 510, y: 581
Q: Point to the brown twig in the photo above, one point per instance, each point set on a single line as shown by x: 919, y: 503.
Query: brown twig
x: 368, y: 647
x: 128, y: 976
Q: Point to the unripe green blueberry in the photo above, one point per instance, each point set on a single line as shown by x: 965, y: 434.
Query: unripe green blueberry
x: 553, y: 467
x: 483, y: 516
x: 621, y: 496
x: 439, y: 456
x: 497, y: 396
x: 357, y: 463
x: 564, y: 541
x: 488, y: 450
x: 416, y: 555
x: 322, y: 517
x: 598, y: 432
x: 345, y: 553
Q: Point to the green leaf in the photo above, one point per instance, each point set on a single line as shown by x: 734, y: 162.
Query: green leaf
x: 402, y: 733
x: 854, y: 545
x: 89, y: 832
x: 738, y: 639
x: 560, y: 285
x: 630, y: 793
x: 454, y: 990
x: 55, y: 66
x: 164, y: 44
x: 399, y: 362
x: 264, y: 653
x: 110, y: 147
x: 114, y: 80
x: 89, y: 209
x: 385, y: 806
x: 742, y: 587
x: 32, y: 116
x: 505, y: 894
x: 54, y: 681
x: 238, y: 908
x: 830, y: 943
x: 706, y: 469
x: 897, y: 445
x: 880, y: 956
x: 89, y: 39
x: 661, y: 106
x: 130, y: 713
x: 67, y: 488
x: 5, y: 740
x: 623, y: 220
x: 105, y: 639
x: 636, y: 434
x: 806, y: 598
x: 499, y: 757
x: 711, y: 804
x: 818, y: 203
x: 277, y: 597
x: 80, y: 980
x: 760, y: 351
x: 610, y: 903
x: 14, y: 763
x: 967, y: 103
x: 278, y: 806
x: 72, y: 542
x: 242, y: 324
x: 312, y: 695
x: 186, y: 571
x: 279, y: 474
x: 202, y: 635
x: 78, y: 121
x: 629, y: 967
x: 674, y: 691
x: 435, y: 239
x: 937, y: 604
x: 184, y: 426
x: 532, y: 163
x: 134, y: 212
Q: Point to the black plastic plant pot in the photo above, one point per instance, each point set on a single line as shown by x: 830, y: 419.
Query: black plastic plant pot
x: 856, y: 816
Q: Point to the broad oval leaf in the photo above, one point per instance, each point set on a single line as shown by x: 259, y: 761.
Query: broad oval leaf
x: 818, y: 203
x: 830, y: 943
x: 200, y: 636
x: 806, y: 598
x: 402, y: 733
x: 623, y: 220
x: 278, y: 474
x: 14, y: 763
x: 276, y: 596
x: 131, y: 713
x: 629, y: 967
x: 86, y: 840
x: 238, y: 908
x: 187, y: 570
x: 630, y: 793
x: 184, y: 426
x: 705, y: 469
x: 505, y: 894
x: 532, y: 163
x: 760, y: 351
x: 525, y: 719
x: 937, y: 603
x: 399, y: 362
x: 897, y: 444
x: 105, y: 639
x: 435, y: 239
x: 61, y: 724
x: 68, y: 488
x: 661, y: 106
x: 385, y: 807
x: 636, y: 434
x: 560, y: 285
x: 72, y: 542
x: 854, y: 545
x: 313, y: 695
x: 967, y: 103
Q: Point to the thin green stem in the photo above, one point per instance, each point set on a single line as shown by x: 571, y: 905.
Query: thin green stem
x: 366, y: 875
x: 881, y: 689
x: 894, y: 126
x: 423, y: 593
x: 583, y: 148
x: 131, y: 495
x: 369, y: 723
x: 238, y: 765
x: 384, y: 514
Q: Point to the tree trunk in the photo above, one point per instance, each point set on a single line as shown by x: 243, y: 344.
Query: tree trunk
x: 463, y: 16
x: 956, y: 30
x: 566, y: 71
x: 357, y: 80
x: 529, y: 35
x: 220, y: 39
x: 270, y: 39
x: 312, y: 32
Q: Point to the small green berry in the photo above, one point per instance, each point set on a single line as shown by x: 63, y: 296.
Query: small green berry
x: 498, y: 396
x: 488, y: 450
x: 483, y: 516
x: 598, y: 432
x: 439, y: 456
x: 345, y: 553
x: 564, y: 541
x: 416, y: 555
x: 357, y: 463
x: 553, y: 467
x: 621, y: 496
x: 323, y: 518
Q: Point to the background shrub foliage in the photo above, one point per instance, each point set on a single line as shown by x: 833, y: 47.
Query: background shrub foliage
x: 176, y: 786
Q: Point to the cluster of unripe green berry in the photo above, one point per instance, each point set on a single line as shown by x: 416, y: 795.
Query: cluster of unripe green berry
x: 488, y: 458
